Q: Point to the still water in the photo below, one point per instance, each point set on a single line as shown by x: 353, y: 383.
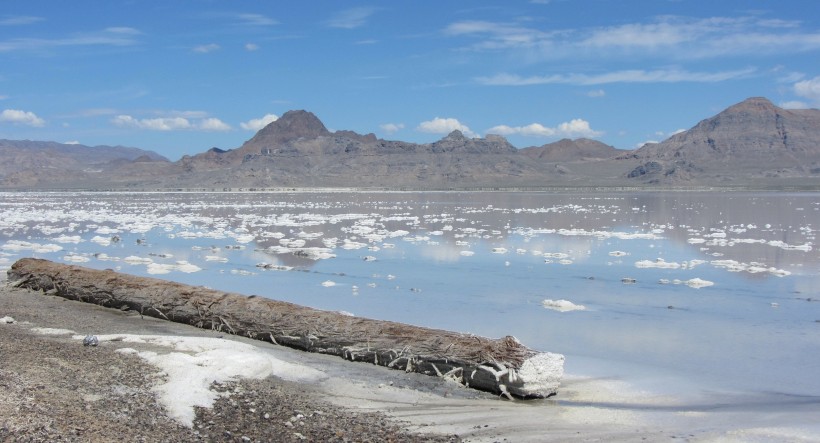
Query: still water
x: 716, y: 291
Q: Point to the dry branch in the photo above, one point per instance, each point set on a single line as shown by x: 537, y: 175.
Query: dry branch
x: 503, y: 366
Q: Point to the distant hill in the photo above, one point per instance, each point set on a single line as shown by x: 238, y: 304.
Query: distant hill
x: 29, y: 163
x: 566, y: 150
x: 753, y: 143
x: 752, y: 139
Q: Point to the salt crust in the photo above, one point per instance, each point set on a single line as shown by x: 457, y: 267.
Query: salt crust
x: 193, y: 364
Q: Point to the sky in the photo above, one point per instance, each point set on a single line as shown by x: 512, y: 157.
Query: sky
x: 179, y: 77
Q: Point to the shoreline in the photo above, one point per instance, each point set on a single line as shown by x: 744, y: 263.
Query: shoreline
x: 356, y: 401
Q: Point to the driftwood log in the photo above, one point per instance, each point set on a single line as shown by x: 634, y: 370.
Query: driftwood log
x: 502, y: 366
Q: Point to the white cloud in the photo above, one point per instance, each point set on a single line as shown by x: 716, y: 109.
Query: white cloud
x: 440, y: 125
x: 595, y: 93
x: 809, y: 89
x: 574, y: 128
x: 794, y: 104
x: 213, y: 124
x: 107, y: 37
x: 351, y: 18
x: 251, y: 46
x: 256, y: 20
x: 20, y: 20
x: 256, y: 124
x: 204, y: 49
x: 392, y: 128
x: 666, y: 37
x: 626, y: 76
x: 176, y: 123
x: 153, y: 124
x: 17, y: 116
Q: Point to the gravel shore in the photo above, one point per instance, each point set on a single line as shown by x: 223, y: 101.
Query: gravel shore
x: 56, y: 389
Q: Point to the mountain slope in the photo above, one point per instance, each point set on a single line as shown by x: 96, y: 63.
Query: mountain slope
x: 566, y: 150
x: 753, y: 138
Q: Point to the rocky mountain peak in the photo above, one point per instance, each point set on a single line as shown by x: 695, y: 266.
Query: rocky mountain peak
x: 291, y: 126
x: 456, y: 135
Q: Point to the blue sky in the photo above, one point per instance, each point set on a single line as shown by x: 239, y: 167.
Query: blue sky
x: 179, y: 77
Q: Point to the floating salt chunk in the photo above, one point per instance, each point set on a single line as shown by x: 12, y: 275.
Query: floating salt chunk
x: 216, y: 258
x: 467, y: 253
x: 388, y: 245
x: 159, y: 268
x: 698, y: 283
x: 328, y: 283
x: 68, y: 239
x: 188, y: 268
x: 658, y: 263
x: 628, y: 281
x: 562, y: 305
x: 74, y: 258
x: 134, y: 260
x: 499, y: 250
x: 274, y: 267
x: 565, y: 261
x: 520, y: 251
x: 618, y: 253
x: 369, y: 258
x: 775, y: 305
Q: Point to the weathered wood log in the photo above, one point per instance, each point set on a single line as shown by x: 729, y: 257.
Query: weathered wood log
x: 502, y: 366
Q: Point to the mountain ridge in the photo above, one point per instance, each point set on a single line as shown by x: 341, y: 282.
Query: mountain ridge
x: 751, y: 143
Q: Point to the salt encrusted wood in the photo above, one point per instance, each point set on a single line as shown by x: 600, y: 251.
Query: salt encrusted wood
x: 502, y: 366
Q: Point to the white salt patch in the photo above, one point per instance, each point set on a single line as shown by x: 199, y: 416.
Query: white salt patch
x: 102, y: 241
x: 159, y: 268
x: 195, y: 363
x: 618, y: 253
x: 244, y: 238
x: 54, y: 331
x: 7, y: 320
x: 562, y: 305
x: 76, y: 258
x: 467, y: 253
x: 134, y: 260
x: 658, y: 263
x: 328, y: 283
x: 499, y: 250
x: 216, y: 258
x: 19, y: 245
x: 184, y: 266
x: 105, y: 230
x: 68, y: 239
x: 698, y: 283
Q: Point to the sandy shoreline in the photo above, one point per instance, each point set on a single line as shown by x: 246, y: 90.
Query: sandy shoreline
x: 54, y: 387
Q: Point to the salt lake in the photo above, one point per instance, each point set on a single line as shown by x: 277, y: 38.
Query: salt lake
x: 673, y: 293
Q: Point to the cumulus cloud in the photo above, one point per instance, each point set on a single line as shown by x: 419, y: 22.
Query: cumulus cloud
x: 213, y: 124
x: 351, y: 18
x: 204, y: 49
x: 794, y: 104
x: 809, y: 89
x: 256, y: 124
x: 170, y: 123
x: 574, y: 128
x: 392, y: 128
x: 19, y: 117
x: 440, y: 125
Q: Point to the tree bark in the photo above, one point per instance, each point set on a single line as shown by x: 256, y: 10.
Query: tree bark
x: 502, y: 366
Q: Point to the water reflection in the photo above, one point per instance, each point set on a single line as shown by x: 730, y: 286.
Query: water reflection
x: 483, y: 263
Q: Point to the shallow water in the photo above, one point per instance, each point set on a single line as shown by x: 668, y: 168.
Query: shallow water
x: 671, y: 291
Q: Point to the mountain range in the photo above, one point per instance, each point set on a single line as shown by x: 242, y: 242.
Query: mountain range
x: 753, y: 143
